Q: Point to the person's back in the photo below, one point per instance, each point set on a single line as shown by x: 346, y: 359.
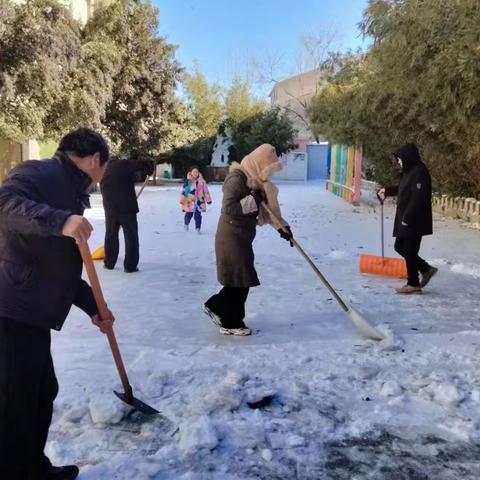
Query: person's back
x: 118, y: 187
x: 121, y: 208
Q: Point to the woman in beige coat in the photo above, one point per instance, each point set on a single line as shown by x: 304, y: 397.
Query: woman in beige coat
x: 245, y: 188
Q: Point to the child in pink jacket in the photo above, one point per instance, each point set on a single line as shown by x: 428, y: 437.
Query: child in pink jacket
x: 194, y: 198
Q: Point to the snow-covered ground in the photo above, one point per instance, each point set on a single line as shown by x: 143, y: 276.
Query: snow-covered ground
x: 305, y: 397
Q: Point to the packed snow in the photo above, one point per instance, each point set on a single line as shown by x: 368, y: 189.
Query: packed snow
x: 305, y: 397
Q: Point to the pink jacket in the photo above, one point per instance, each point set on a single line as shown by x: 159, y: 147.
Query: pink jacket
x: 194, y: 195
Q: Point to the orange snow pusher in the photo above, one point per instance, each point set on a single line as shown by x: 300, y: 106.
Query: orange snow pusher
x: 386, y: 266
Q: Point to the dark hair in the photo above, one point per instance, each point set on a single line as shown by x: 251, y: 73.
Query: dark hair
x: 84, y: 142
x: 193, y: 167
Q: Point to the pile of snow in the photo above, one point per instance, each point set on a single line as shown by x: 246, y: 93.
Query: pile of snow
x: 106, y: 409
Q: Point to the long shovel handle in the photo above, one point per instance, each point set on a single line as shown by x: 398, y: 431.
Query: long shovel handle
x: 382, y: 200
x: 143, y: 186
x: 279, y: 225
x: 321, y: 276
x: 383, y: 233
x: 104, y: 313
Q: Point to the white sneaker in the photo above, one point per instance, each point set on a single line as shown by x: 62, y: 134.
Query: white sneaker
x: 185, y: 227
x: 241, y: 332
x: 198, y: 230
x: 213, y: 316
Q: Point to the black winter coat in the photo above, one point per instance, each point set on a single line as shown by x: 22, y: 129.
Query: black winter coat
x: 118, y: 185
x: 414, y: 205
x: 41, y: 270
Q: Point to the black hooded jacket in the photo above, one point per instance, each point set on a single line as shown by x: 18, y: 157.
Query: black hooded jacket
x: 414, y: 208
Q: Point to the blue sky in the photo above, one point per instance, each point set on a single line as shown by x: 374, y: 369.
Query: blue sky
x: 224, y: 35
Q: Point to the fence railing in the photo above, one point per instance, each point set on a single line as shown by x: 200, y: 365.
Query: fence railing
x: 466, y: 209
x: 346, y: 173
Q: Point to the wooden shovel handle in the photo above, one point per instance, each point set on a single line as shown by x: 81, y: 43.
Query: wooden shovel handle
x: 143, y: 186
x: 104, y: 313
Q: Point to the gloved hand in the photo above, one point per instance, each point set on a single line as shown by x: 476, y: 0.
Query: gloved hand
x: 259, y: 196
x: 286, y: 235
x: 381, y: 194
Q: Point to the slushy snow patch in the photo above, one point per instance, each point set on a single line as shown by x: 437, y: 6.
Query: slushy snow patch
x: 447, y: 394
x: 197, y: 434
x: 337, y: 254
x: 267, y: 454
x: 391, y: 389
x: 471, y: 270
x: 106, y: 409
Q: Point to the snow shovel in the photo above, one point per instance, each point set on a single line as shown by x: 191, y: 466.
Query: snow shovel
x: 386, y: 266
x: 362, y: 324
x: 99, y: 253
x: 127, y: 395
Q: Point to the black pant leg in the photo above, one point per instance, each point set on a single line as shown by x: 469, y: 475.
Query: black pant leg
x: 112, y: 227
x: 129, y: 225
x: 229, y: 305
x: 239, y: 297
x: 423, y: 266
x: 235, y: 299
x: 27, y: 391
x: 48, y: 393
x: 408, y: 248
x: 216, y: 303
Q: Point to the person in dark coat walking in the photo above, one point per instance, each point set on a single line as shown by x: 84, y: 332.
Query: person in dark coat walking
x: 121, y: 208
x: 244, y: 189
x: 413, y: 218
x: 41, y: 220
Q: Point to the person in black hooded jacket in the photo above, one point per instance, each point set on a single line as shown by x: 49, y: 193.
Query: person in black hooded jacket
x: 413, y: 218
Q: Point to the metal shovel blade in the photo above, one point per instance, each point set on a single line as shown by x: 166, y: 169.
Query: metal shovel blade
x: 365, y: 328
x: 136, y: 403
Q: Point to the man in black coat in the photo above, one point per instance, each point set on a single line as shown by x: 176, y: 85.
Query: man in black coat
x: 121, y: 208
x: 41, y: 220
x: 413, y: 218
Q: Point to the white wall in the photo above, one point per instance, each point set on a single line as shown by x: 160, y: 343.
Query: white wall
x: 294, y: 167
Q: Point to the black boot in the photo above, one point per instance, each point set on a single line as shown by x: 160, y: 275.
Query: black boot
x: 68, y: 472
